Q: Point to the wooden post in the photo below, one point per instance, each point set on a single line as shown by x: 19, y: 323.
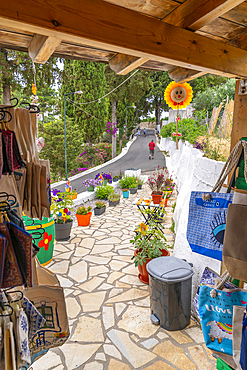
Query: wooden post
x: 239, y: 124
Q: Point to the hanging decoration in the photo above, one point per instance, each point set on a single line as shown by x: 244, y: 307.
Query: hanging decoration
x: 177, y: 96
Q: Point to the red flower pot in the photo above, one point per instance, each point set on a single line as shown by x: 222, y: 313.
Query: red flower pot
x: 143, y: 274
x: 166, y: 200
x: 157, y: 198
x: 84, y: 220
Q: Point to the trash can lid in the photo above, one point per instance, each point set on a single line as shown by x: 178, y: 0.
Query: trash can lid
x: 169, y: 269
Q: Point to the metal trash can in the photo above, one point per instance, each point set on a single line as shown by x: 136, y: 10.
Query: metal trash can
x: 170, y: 281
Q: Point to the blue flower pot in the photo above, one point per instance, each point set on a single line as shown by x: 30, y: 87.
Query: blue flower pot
x: 126, y: 194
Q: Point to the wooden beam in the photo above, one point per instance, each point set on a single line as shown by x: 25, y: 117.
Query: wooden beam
x: 105, y: 26
x: 179, y: 74
x: 194, y: 14
x: 239, y: 127
x: 42, y: 47
x: 123, y: 64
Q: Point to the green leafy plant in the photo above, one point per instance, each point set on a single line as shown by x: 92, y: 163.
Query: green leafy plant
x: 133, y: 185
x: 172, y: 228
x: 149, y: 240
x: 114, y: 197
x: 173, y: 207
x: 127, y: 182
x: 102, y: 192
x: 83, y: 210
x: 125, y: 190
x: 140, y: 182
x: 100, y: 204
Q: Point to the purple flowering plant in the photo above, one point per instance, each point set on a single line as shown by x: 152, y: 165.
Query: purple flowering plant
x: 111, y: 128
x: 106, y: 176
x: 91, y: 182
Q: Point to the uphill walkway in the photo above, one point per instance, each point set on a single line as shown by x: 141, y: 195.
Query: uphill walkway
x: 108, y: 307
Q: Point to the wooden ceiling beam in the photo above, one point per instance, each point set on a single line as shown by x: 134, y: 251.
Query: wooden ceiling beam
x: 42, y: 47
x: 106, y: 26
x: 193, y: 15
x: 123, y: 64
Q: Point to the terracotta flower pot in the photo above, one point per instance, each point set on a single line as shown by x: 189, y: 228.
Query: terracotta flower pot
x: 143, y: 274
x: 157, y: 198
x: 166, y: 200
x: 84, y: 220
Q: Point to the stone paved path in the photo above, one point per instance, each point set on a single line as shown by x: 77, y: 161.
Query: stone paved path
x: 108, y: 307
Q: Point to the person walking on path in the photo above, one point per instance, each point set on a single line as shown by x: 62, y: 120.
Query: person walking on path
x: 139, y: 133
x: 144, y: 132
x: 151, y: 149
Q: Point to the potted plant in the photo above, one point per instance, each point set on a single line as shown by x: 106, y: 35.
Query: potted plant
x: 104, y: 177
x: 102, y: 192
x: 61, y: 208
x: 139, y: 183
x: 83, y: 215
x: 90, y: 184
x: 126, y: 193
x: 150, y: 243
x: 115, y: 178
x: 156, y: 184
x: 99, y: 208
x: 114, y: 199
x: 133, y: 188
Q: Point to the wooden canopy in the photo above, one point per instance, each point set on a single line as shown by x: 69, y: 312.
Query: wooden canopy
x: 187, y: 38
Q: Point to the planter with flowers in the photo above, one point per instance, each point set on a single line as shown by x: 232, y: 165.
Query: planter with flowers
x: 139, y: 183
x: 156, y: 184
x: 150, y: 243
x: 168, y: 189
x: 115, y: 178
x: 83, y: 215
x: 114, y: 199
x: 126, y: 193
x: 99, y: 208
x: 61, y: 208
x: 90, y: 184
x: 104, y: 178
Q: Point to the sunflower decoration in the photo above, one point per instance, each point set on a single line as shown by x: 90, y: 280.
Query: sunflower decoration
x: 142, y: 228
x: 178, y: 95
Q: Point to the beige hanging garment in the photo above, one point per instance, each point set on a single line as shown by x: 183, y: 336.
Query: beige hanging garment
x: 9, y: 345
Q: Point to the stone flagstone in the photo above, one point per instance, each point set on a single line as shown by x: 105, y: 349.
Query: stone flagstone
x: 174, y: 355
x: 80, y: 251
x: 180, y: 337
x: 47, y: 361
x: 77, y: 354
x: 117, y: 265
x: 108, y: 317
x: 117, y: 365
x: 101, y: 248
x: 96, y: 270
x: 137, y: 320
x: 87, y: 243
x: 78, y: 272
x: 119, y: 307
x: 149, y: 343
x: 160, y: 365
x: 133, y: 353
x: 95, y: 259
x: 94, y: 366
x: 65, y: 283
x: 100, y: 356
x: 60, y: 267
x: 92, y: 284
x: 200, y: 358
x: 130, y: 294
x: 73, y: 308
x: 131, y: 270
x: 112, y: 351
x: 113, y: 240
x: 88, y: 330
x: 196, y: 334
x: 114, y: 276
x: 92, y: 301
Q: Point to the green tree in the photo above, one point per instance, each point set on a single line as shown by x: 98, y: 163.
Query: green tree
x: 213, y: 96
x: 89, y: 78
x: 53, y: 134
x: 16, y: 74
x: 155, y: 96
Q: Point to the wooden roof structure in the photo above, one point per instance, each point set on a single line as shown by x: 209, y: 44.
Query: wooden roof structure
x: 187, y: 38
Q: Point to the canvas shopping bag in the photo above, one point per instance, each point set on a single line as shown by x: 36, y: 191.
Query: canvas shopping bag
x: 210, y: 277
x: 234, y: 248
x: 207, y: 222
x: 243, y: 351
x: 216, y: 315
x: 50, y: 302
x: 238, y: 313
x: 8, y: 185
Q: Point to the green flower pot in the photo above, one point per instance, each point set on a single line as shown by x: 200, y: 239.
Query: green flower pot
x: 90, y: 188
x: 105, y: 182
x: 43, y: 233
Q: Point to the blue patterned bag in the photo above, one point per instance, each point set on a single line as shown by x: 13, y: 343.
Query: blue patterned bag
x: 216, y: 314
x: 207, y: 223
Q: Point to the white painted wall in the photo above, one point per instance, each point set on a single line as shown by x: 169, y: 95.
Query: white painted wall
x: 191, y: 171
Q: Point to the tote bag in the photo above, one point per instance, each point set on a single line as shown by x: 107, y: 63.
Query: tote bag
x: 48, y: 297
x: 216, y: 315
x: 207, y: 222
